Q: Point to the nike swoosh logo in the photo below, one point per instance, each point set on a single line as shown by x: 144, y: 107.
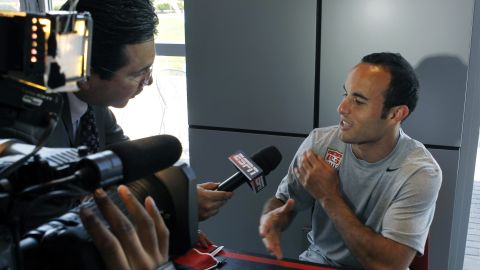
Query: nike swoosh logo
x: 392, y: 170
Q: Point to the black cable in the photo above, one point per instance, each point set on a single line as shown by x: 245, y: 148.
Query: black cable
x: 52, y: 123
x: 48, y: 184
x: 55, y: 194
x: 14, y: 219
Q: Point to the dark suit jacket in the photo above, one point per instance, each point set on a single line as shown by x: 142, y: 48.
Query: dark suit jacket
x: 108, y: 130
x: 62, y: 136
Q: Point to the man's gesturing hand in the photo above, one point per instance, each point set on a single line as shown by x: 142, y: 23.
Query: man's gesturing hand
x: 318, y: 177
x: 271, y: 225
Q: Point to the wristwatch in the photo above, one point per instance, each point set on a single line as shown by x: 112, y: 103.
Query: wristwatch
x: 166, y: 266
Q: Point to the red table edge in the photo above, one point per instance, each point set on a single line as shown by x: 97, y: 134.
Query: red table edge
x: 234, y: 255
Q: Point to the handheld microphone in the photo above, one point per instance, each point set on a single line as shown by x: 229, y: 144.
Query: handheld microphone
x: 128, y: 161
x: 267, y: 159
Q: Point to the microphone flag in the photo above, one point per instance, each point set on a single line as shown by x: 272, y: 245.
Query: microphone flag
x: 249, y: 169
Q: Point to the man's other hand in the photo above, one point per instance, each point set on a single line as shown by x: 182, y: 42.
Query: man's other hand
x: 272, y: 224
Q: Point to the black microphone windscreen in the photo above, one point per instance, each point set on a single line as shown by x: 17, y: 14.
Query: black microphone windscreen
x: 147, y: 155
x: 268, y: 159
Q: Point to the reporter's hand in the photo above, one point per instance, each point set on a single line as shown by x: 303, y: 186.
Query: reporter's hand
x: 271, y: 226
x: 127, y: 246
x: 210, y: 200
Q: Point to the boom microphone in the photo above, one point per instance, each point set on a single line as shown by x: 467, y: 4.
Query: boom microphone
x: 122, y: 162
x: 267, y: 159
x: 146, y: 156
x: 128, y: 161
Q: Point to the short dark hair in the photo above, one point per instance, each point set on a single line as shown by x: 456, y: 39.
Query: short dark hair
x: 403, y: 88
x: 116, y: 23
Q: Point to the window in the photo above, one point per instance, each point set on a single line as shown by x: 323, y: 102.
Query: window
x: 56, y: 4
x: 10, y: 5
x: 171, y: 27
x: 162, y: 107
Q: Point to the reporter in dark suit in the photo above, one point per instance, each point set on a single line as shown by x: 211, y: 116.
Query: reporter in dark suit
x: 63, y: 135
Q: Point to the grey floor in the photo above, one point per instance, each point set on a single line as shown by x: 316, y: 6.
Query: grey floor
x: 472, y: 249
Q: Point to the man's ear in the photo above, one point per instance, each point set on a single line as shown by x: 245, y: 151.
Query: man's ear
x: 399, y: 113
x: 84, y: 85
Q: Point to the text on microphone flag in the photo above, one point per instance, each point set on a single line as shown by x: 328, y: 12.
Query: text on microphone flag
x: 245, y: 165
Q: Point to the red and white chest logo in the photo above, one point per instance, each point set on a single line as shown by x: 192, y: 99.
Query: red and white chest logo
x: 334, y: 158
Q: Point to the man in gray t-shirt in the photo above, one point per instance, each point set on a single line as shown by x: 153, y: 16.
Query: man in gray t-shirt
x: 371, y: 188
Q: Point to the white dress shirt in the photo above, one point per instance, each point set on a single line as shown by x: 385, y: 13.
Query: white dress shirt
x: 77, y: 109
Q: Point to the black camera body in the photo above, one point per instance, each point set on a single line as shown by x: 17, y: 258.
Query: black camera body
x: 42, y: 55
x: 62, y: 242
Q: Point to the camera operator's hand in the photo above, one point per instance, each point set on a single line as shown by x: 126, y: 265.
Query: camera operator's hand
x: 127, y: 246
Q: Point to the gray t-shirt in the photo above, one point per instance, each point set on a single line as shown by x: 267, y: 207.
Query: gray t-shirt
x: 394, y: 197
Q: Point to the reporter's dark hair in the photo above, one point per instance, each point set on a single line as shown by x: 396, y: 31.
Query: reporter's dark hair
x: 116, y: 23
x: 403, y: 88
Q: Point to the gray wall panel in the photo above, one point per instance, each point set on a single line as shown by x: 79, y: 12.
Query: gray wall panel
x: 236, y: 226
x: 434, y: 35
x: 468, y: 151
x: 442, y: 222
x: 438, y: 117
x: 251, y: 64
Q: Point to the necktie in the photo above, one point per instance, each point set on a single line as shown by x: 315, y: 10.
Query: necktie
x: 89, y: 132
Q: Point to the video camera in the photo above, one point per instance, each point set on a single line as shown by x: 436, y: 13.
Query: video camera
x: 43, y: 55
x: 61, y: 242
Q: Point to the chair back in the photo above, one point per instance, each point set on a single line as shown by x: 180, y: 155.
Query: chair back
x: 421, y: 262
